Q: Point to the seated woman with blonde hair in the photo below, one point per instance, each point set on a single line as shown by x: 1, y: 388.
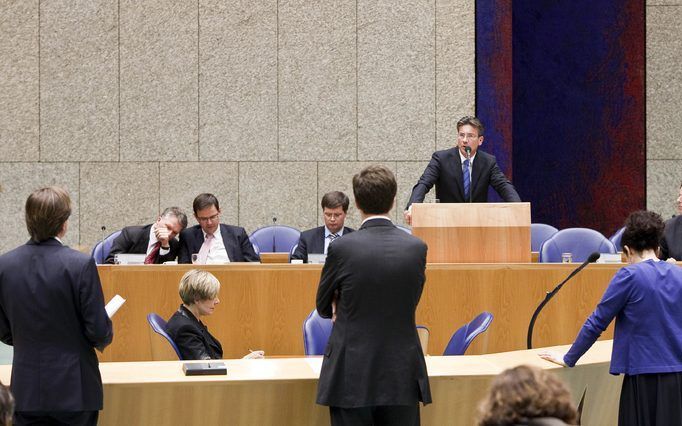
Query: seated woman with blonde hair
x: 199, y: 293
x: 527, y: 395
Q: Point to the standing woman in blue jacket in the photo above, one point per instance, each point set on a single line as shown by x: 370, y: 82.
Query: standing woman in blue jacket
x: 645, y: 297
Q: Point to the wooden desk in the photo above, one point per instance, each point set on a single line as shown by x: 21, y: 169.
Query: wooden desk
x: 283, y: 391
x: 263, y: 306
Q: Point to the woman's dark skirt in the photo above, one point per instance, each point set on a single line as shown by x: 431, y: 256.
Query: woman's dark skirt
x: 651, y: 400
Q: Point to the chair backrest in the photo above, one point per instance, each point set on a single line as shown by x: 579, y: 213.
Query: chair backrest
x: 423, y: 333
x: 616, y: 239
x: 275, y: 238
x: 158, y: 325
x: 462, y: 338
x: 101, y: 250
x: 539, y: 233
x: 580, y: 242
x: 316, y: 332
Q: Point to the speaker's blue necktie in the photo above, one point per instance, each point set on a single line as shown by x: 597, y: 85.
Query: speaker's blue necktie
x: 466, y: 178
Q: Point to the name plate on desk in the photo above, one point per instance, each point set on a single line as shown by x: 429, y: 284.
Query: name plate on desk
x: 204, y: 368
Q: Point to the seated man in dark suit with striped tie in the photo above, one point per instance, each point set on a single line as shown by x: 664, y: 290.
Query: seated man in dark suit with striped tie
x: 316, y: 240
x: 156, y: 240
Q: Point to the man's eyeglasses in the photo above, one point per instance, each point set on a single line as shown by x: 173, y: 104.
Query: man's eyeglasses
x: 209, y: 219
x: 467, y: 136
x: 333, y: 215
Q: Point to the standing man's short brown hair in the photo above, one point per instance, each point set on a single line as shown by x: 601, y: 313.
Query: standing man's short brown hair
x: 374, y: 189
x: 47, y: 209
x: 334, y: 199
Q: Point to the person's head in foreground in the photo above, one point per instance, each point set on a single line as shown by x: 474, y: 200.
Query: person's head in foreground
x: 374, y: 189
x: 527, y: 395
x: 47, y: 213
x: 199, y: 292
x: 6, y: 406
x: 642, y: 235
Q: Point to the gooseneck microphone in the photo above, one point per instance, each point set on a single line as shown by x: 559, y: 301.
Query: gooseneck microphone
x: 529, y: 340
x: 274, y: 233
x: 101, y: 247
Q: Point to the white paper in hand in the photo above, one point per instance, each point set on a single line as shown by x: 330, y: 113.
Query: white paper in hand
x: 113, y: 305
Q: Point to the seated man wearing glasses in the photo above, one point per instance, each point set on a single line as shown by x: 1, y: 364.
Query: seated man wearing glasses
x: 462, y: 174
x: 317, y: 240
x: 211, y: 241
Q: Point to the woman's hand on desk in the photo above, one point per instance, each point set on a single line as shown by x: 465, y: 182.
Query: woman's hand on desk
x: 254, y: 355
x: 555, y: 357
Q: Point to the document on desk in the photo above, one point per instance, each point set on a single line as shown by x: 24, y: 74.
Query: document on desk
x: 113, y: 305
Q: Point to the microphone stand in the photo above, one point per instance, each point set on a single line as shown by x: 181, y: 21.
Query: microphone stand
x: 101, y: 249
x: 550, y: 294
x: 274, y: 232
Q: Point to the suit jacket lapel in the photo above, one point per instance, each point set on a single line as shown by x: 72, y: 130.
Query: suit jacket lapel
x: 318, y: 242
x: 456, y: 165
x: 476, y: 173
x: 200, y: 240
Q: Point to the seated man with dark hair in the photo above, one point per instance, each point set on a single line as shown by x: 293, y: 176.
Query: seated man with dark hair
x: 156, y: 240
x: 212, y: 241
x: 316, y: 240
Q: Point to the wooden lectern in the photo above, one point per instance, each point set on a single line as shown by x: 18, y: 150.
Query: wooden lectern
x: 474, y: 232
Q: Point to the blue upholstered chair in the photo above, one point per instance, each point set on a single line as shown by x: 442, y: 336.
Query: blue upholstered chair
x: 316, y: 332
x: 158, y: 324
x: 616, y: 239
x: 539, y: 233
x: 460, y: 341
x: 580, y: 242
x: 102, y: 248
x: 274, y: 239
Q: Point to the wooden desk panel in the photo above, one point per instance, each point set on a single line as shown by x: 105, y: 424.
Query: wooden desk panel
x: 282, y: 392
x: 263, y: 306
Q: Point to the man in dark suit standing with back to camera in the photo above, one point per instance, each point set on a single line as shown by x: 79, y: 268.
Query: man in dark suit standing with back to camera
x: 373, y: 371
x: 462, y: 174
x: 52, y: 312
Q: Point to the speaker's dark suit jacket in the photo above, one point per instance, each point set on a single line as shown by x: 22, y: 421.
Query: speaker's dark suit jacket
x: 192, y: 336
x: 671, y: 244
x: 135, y: 239
x: 445, y: 171
x: 237, y: 244
x: 312, y: 241
x: 52, y: 312
x: 373, y: 356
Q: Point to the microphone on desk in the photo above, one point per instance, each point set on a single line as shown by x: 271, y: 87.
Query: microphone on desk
x: 529, y: 339
x: 467, y: 150
x: 101, y: 247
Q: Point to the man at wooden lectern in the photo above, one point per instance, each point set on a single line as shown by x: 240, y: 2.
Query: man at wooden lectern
x: 462, y: 174
x: 373, y: 371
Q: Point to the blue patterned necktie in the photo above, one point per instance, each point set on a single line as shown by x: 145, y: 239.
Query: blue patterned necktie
x: 466, y: 178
